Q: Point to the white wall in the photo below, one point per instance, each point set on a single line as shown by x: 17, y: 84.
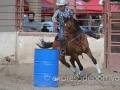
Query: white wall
x: 27, y: 44
x: 7, y: 46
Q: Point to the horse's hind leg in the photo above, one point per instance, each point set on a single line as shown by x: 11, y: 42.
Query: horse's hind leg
x: 94, y: 61
x: 72, y: 62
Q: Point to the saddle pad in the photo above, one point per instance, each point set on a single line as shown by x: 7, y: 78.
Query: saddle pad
x: 56, y: 43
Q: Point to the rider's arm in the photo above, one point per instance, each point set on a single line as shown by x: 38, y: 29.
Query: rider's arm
x: 54, y: 19
x: 55, y: 16
x: 70, y: 12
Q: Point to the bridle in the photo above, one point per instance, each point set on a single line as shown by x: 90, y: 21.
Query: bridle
x: 68, y: 34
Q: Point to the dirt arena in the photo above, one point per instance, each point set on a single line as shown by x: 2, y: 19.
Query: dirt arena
x: 20, y: 77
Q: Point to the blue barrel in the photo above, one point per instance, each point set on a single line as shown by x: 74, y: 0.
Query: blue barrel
x: 46, y: 66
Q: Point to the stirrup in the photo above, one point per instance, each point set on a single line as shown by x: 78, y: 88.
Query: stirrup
x: 62, y: 53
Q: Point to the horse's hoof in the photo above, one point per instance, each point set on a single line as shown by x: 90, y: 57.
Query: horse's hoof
x: 77, y: 76
x: 100, y: 75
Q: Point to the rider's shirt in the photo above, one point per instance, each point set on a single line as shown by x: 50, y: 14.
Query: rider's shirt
x: 59, y: 14
x: 31, y: 25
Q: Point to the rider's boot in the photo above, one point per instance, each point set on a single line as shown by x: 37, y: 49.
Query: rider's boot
x: 62, y: 53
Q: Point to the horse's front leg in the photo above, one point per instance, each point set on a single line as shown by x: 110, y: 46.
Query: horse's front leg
x: 74, y: 68
x: 79, y: 70
x: 63, y: 61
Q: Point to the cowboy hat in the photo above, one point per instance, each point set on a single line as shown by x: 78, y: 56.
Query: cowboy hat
x: 62, y: 2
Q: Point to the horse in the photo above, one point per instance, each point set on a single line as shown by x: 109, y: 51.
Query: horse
x: 75, y: 43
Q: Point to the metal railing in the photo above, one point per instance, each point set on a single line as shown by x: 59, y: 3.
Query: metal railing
x: 16, y: 16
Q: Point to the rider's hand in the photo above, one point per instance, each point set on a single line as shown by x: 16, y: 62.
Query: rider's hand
x: 55, y: 21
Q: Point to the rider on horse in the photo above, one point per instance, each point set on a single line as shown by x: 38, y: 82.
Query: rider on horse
x: 58, y: 16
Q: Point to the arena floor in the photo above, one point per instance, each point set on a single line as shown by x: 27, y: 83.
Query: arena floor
x: 20, y: 77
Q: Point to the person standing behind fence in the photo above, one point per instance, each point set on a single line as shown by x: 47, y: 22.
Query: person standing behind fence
x: 31, y: 25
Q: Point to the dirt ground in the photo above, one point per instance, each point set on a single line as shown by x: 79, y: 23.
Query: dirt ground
x: 20, y: 77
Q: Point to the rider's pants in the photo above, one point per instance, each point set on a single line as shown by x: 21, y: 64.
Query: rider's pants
x: 60, y: 33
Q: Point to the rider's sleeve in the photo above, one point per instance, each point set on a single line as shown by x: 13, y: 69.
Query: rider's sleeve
x: 55, y: 15
x: 70, y: 12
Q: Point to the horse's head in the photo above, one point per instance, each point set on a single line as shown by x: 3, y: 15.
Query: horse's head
x: 71, y: 25
x: 68, y: 25
x: 68, y: 28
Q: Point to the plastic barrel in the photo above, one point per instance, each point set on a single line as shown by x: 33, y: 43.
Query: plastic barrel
x: 46, y: 63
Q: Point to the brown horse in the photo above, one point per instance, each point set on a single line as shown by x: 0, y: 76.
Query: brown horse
x: 75, y: 43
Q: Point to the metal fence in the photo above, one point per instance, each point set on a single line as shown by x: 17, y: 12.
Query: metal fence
x: 12, y: 14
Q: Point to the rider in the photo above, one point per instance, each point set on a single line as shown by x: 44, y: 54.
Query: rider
x: 62, y: 11
x: 57, y: 18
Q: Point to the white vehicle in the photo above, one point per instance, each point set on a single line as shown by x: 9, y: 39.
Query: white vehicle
x: 100, y: 28
x: 49, y: 24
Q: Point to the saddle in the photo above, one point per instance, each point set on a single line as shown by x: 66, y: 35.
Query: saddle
x: 56, y: 43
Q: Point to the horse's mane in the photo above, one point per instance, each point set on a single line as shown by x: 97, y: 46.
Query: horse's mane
x: 76, y: 25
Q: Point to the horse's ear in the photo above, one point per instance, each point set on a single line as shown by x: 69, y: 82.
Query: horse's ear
x: 65, y: 19
x: 71, y: 18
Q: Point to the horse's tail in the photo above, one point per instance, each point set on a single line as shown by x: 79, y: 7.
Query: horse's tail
x: 44, y: 44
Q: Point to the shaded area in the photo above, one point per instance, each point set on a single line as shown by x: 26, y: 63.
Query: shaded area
x: 115, y: 38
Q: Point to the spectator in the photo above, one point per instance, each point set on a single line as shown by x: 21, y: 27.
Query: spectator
x: 30, y: 24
